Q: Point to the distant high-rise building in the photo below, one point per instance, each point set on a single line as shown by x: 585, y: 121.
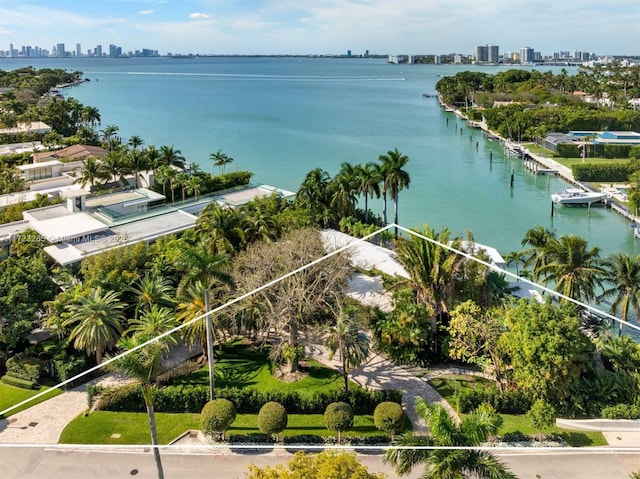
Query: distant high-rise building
x: 493, y: 54
x: 78, y: 50
x: 437, y: 59
x: 60, y: 53
x: 526, y: 55
x: 113, y: 50
x: 482, y: 53
x: 98, y: 51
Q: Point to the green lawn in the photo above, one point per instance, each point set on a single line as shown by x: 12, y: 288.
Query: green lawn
x: 237, y: 365
x: 133, y: 428
x: 241, y: 366
x: 448, y: 385
x: 11, y: 395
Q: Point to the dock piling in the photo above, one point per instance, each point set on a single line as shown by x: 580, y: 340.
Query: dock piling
x: 512, y: 173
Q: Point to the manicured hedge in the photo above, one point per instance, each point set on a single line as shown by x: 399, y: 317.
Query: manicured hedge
x: 25, y: 367
x: 19, y: 383
x: 178, y: 399
x: 602, y: 172
x: 621, y: 411
x: 507, y: 402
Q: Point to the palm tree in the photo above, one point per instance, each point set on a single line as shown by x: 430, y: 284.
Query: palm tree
x: 90, y: 172
x: 153, y: 322
x: 224, y: 228
x: 349, y: 342
x: 163, y: 175
x: 109, y: 133
x: 395, y: 179
x: 220, y: 160
x: 90, y: 116
x: 343, y: 195
x: 313, y: 192
x: 136, y: 163
x: 370, y: 178
x: 152, y: 290
x: 201, y: 263
x: 432, y: 269
x: 144, y: 366
x: 194, y: 186
x: 135, y: 141
x: 517, y: 258
x: 537, y: 238
x: 153, y: 157
x: 575, y: 270
x: 171, y: 157
x: 182, y: 179
x: 445, y: 432
x: 96, y: 322
x: 113, y: 168
x: 622, y: 275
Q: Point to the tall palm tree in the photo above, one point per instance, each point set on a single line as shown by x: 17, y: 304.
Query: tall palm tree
x: 432, y: 269
x: 95, y: 319
x: 135, y: 142
x: 575, y: 269
x: 114, y: 168
x: 172, y: 157
x: 194, y: 186
x: 109, y: 133
x: 537, y: 239
x: 144, y: 366
x: 90, y: 172
x: 622, y: 275
x: 313, y: 193
x: 351, y: 344
x: 163, y: 175
x: 395, y: 179
x: 136, y: 163
x: 344, y: 195
x: 473, y: 429
x: 370, y: 178
x: 220, y: 160
x: 90, y: 116
x: 202, y: 263
x: 182, y: 179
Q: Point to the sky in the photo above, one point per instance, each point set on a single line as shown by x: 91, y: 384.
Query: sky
x: 609, y: 27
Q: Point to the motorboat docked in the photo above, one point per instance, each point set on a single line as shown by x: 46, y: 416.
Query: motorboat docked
x: 577, y: 196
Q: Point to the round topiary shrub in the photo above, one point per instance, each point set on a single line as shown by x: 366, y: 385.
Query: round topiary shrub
x: 217, y: 416
x: 272, y: 418
x: 338, y: 417
x: 389, y: 417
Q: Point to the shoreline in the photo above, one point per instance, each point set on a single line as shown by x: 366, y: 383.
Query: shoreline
x: 562, y: 171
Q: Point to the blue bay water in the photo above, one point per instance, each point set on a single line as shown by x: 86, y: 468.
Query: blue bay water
x: 281, y: 117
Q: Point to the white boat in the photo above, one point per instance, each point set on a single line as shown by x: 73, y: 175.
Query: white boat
x: 577, y: 196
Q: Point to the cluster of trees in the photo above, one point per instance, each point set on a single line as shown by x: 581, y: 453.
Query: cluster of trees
x: 533, y: 92
x: 457, y: 309
x: 330, y: 200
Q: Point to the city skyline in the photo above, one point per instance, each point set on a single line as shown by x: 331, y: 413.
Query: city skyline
x: 322, y: 26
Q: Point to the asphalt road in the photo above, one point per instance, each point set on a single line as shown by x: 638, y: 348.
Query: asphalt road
x: 30, y: 462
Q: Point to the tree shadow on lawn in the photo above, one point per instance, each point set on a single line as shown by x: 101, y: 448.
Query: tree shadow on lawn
x: 576, y: 439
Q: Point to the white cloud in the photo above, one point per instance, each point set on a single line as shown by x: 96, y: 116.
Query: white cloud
x: 146, y: 12
x: 199, y: 16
